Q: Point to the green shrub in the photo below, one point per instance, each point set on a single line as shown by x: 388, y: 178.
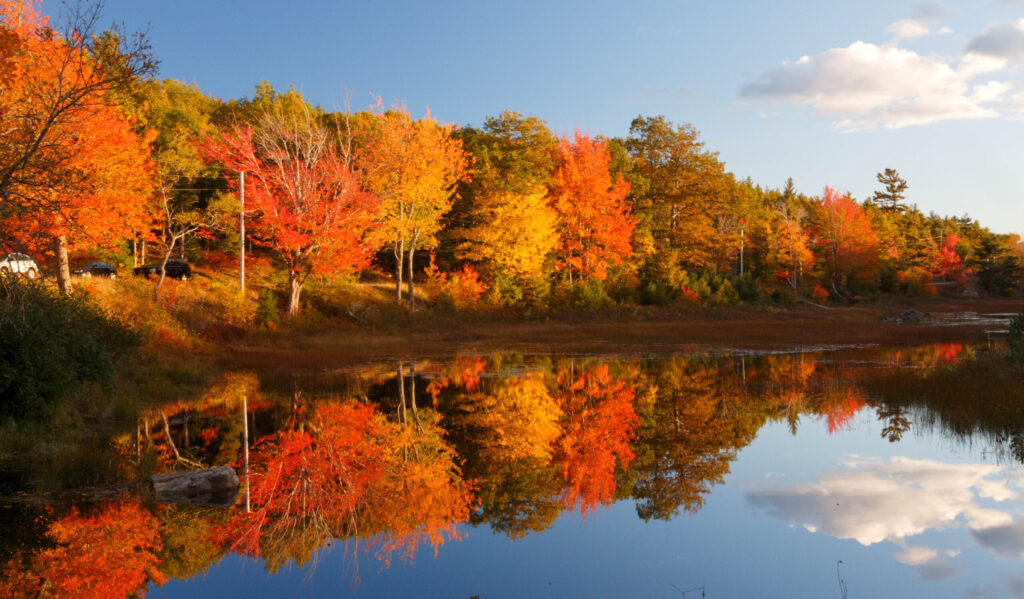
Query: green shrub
x: 591, y: 296
x: 746, y: 288
x: 266, y: 307
x: 52, y: 344
x: 1016, y: 336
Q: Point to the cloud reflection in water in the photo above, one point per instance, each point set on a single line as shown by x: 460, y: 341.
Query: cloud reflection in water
x: 871, y: 501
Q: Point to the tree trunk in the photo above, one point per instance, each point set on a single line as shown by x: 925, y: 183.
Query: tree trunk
x: 412, y: 297
x: 294, y: 290
x: 399, y: 256
x: 63, y: 271
x: 142, y: 254
x: 215, y: 487
x: 135, y: 250
x: 163, y: 268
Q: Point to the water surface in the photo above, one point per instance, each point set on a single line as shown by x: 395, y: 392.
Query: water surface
x: 860, y: 472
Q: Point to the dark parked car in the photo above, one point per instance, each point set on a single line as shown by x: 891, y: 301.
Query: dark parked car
x: 176, y: 268
x: 97, y: 269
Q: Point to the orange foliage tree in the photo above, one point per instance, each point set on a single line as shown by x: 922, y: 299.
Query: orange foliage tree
x: 949, y: 265
x: 310, y: 207
x: 595, y: 223
x: 845, y: 240
x: 70, y: 166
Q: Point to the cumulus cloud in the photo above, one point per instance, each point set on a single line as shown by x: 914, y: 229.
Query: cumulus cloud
x: 1002, y: 40
x: 1005, y: 541
x: 877, y: 501
x: 908, y: 29
x: 929, y: 564
x: 878, y: 86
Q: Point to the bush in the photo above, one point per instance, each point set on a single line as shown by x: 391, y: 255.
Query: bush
x: 52, y: 344
x: 266, y: 308
x: 1016, y: 336
x: 746, y: 287
x: 712, y: 287
x: 591, y: 296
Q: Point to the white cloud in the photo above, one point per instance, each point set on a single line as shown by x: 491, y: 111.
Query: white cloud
x: 874, y: 86
x: 1002, y: 40
x: 990, y: 92
x: 945, y: 30
x: 908, y: 29
x: 929, y: 564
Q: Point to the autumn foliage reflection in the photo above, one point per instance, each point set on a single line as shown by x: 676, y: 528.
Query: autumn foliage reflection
x: 506, y: 441
x: 598, y: 426
x: 110, y: 553
x: 343, y: 471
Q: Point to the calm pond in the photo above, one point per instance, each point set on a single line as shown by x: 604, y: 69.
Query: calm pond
x: 832, y: 472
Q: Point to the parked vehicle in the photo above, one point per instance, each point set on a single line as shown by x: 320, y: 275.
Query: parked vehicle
x: 19, y: 264
x: 176, y: 268
x: 98, y: 268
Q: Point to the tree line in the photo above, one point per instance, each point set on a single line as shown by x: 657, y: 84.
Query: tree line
x: 98, y: 156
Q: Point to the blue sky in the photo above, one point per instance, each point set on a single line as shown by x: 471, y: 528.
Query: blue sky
x: 829, y: 93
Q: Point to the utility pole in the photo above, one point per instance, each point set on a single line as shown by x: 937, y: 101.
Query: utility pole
x: 241, y: 232
x: 743, y: 244
x: 245, y: 445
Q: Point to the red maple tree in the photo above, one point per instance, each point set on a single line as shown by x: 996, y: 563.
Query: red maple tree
x: 310, y: 208
x: 594, y: 221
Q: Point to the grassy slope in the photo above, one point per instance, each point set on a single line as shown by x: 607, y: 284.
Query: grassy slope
x: 347, y: 323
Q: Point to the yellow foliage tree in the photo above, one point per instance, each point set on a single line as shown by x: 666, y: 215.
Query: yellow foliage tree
x: 413, y: 166
x: 515, y: 234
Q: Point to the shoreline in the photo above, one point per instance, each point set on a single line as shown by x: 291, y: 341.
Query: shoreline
x: 340, y: 344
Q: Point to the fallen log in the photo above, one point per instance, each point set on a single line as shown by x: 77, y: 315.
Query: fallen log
x: 215, y: 487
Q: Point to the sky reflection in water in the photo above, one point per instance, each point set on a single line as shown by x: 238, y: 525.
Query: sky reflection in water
x: 607, y: 478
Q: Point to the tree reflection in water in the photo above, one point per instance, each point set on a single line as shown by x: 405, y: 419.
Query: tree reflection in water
x: 503, y: 441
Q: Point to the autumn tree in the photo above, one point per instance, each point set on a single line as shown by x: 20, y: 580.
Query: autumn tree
x: 679, y: 188
x: 894, y: 190
x: 63, y: 138
x: 594, y: 222
x: 413, y: 166
x: 514, y: 234
x: 794, y: 254
x: 501, y: 219
x: 844, y: 239
x: 96, y: 201
x: 179, y: 114
x: 310, y: 207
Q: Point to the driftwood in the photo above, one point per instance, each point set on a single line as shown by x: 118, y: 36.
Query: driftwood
x: 216, y: 486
